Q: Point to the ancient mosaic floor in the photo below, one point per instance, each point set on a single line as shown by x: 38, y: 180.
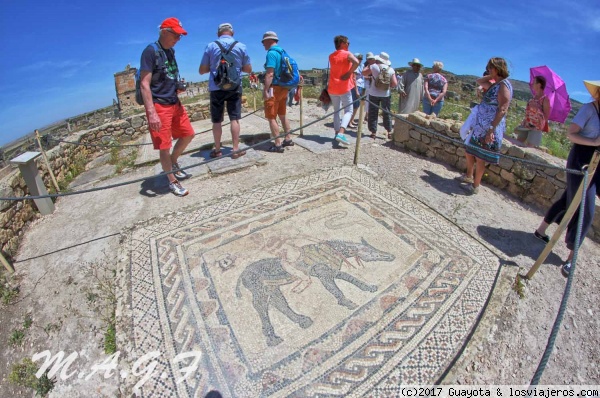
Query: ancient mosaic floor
x: 332, y: 284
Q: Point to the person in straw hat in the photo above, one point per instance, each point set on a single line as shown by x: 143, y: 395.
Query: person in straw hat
x: 584, y: 133
x: 410, y: 86
x: 380, y: 96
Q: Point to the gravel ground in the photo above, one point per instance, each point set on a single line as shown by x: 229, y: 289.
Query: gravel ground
x: 506, y: 348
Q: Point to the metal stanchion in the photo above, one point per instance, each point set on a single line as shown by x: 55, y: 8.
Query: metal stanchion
x: 361, y: 113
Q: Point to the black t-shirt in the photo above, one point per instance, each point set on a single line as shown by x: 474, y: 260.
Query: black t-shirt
x: 164, y: 73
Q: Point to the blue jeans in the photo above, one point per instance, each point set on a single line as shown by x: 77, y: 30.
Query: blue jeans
x: 428, y: 109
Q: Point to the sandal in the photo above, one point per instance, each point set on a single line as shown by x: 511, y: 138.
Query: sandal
x: 287, y: 143
x: 352, y: 125
x: 373, y: 135
x: 215, y: 154
x: 389, y: 136
x: 238, y: 155
x: 276, y: 149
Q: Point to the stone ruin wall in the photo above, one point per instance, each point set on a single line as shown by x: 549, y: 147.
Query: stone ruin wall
x: 537, y: 185
x: 15, y: 216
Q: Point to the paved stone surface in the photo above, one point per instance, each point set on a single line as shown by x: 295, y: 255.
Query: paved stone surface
x: 90, y: 177
x: 332, y: 284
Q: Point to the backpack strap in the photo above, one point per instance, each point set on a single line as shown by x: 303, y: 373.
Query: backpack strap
x: 223, y: 51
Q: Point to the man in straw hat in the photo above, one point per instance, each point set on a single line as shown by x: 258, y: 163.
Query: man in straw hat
x: 410, y: 86
x: 584, y: 133
x: 167, y: 118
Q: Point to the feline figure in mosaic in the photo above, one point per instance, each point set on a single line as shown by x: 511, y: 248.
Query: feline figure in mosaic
x: 321, y: 260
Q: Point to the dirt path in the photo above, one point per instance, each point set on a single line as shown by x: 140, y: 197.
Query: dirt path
x: 59, y: 250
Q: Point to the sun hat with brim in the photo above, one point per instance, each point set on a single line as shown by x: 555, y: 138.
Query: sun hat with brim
x: 225, y: 26
x: 174, y: 25
x: 270, y: 35
x: 385, y: 58
x: 593, y: 86
x: 415, y: 61
x: 370, y: 55
x: 358, y: 55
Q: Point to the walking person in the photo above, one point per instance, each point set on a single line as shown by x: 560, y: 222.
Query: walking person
x: 584, y: 133
x: 167, y: 118
x: 342, y: 65
x: 219, y: 96
x: 275, y: 96
x: 489, y: 125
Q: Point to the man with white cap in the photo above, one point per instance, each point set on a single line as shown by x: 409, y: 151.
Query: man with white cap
x: 379, y: 93
x: 275, y: 96
x: 410, y: 86
x: 167, y: 118
x: 219, y: 97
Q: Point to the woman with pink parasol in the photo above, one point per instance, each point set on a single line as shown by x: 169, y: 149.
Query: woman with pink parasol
x: 536, y: 116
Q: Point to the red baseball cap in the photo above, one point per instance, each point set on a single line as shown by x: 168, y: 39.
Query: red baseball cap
x: 173, y: 24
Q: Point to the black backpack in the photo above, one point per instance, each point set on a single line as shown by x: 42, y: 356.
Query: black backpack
x: 226, y: 76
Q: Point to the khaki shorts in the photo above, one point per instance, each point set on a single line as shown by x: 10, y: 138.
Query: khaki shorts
x: 530, y: 137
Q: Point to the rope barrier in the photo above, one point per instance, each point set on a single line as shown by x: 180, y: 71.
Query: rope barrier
x: 563, y: 303
x: 48, y: 137
x: 61, y: 194
x: 461, y: 143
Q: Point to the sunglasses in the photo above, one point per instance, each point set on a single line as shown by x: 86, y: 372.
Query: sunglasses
x: 173, y: 33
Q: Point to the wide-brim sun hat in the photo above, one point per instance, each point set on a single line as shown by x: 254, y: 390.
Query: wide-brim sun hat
x: 415, y: 61
x: 370, y: 55
x: 593, y: 86
x: 385, y: 58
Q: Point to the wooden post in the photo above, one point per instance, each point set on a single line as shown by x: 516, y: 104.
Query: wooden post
x: 361, y: 113
x: 301, y: 113
x: 566, y: 218
x: 6, y: 264
x: 37, y: 136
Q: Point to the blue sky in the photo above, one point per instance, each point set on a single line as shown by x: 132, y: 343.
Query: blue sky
x: 60, y: 56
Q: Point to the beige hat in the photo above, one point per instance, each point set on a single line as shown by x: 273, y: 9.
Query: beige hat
x: 225, y: 26
x: 370, y: 55
x: 385, y: 58
x: 270, y: 35
x: 415, y: 61
x: 593, y: 86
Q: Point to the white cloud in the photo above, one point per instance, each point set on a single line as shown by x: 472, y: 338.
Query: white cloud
x: 69, y: 64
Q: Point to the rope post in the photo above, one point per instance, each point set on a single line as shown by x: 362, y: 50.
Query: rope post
x: 6, y: 264
x: 361, y: 113
x: 37, y: 136
x: 301, y: 113
x: 566, y: 218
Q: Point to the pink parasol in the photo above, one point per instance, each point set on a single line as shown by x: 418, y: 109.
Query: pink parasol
x: 556, y: 91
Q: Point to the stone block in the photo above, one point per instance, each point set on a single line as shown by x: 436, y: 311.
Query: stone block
x: 446, y: 157
x: 543, y: 187
x: 137, y: 121
x: 495, y: 179
x: 130, y: 131
x: 450, y: 148
x: 124, y: 125
x: 515, y: 151
x: 523, y: 171
x: 438, y: 125
x: 435, y: 143
x: 561, y: 176
x: 495, y: 168
x: 551, y: 172
x: 455, y: 128
x: 460, y: 151
x: 506, y: 163
x: 515, y: 190
x: 425, y: 139
x: 462, y: 163
x: 401, y: 132
x: 507, y: 175
x: 414, y: 134
x: 418, y: 118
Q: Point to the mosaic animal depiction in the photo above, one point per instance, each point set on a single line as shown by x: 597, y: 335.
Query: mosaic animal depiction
x: 321, y: 260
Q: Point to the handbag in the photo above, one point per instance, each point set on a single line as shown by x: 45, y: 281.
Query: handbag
x: 324, y: 97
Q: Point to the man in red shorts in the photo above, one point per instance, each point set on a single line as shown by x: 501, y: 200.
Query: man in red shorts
x: 275, y: 96
x: 167, y: 118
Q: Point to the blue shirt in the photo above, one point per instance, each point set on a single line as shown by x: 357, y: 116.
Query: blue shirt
x: 274, y: 59
x: 212, y: 55
x: 588, y: 119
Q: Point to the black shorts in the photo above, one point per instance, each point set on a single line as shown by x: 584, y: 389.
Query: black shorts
x: 217, y: 105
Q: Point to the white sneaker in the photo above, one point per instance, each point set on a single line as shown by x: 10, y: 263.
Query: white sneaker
x: 177, y: 189
x: 471, y: 189
x: 179, y: 174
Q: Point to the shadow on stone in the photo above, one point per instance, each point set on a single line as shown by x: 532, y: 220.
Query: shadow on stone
x: 154, y: 187
x: 514, y: 243
x: 442, y: 184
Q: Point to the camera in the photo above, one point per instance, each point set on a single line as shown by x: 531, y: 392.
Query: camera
x: 181, y: 86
